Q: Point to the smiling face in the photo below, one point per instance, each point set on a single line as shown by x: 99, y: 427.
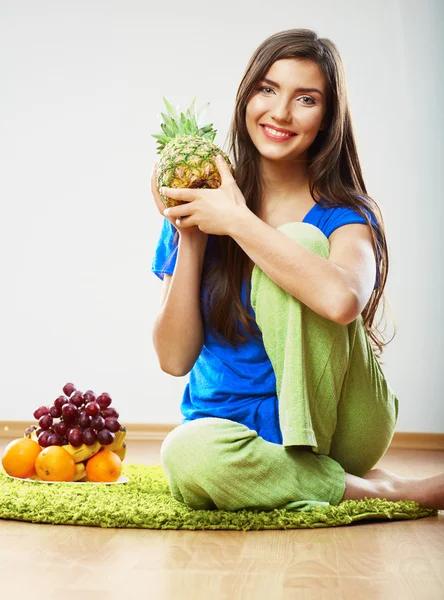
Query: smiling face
x: 285, y: 113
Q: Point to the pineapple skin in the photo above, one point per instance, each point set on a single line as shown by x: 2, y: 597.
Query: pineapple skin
x: 188, y: 161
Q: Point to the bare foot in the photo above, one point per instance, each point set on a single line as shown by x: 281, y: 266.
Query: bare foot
x: 433, y: 492
x: 428, y: 492
x: 387, y: 476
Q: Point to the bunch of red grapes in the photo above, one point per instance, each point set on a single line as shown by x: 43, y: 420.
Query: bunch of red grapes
x: 83, y: 418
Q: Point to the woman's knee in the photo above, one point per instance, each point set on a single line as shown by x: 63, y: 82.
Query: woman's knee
x: 310, y: 236
x: 196, y: 444
x: 177, y: 445
x: 199, y: 455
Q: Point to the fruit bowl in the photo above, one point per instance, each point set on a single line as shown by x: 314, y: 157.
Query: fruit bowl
x: 122, y: 479
x: 77, y: 439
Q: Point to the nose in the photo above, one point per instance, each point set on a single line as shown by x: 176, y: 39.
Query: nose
x: 281, y: 112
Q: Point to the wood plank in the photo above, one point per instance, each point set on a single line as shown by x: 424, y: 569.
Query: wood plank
x: 400, y: 559
x: 159, y: 431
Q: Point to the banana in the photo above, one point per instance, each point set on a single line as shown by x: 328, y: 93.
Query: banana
x: 118, y: 441
x: 30, y: 433
x: 83, y: 452
x: 121, y: 451
x: 80, y: 471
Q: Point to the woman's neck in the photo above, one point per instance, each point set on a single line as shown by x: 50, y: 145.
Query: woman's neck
x: 285, y: 181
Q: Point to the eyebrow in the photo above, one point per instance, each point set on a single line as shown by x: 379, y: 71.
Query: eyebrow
x: 299, y: 89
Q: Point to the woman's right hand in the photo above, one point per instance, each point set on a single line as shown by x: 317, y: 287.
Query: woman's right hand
x: 186, y: 232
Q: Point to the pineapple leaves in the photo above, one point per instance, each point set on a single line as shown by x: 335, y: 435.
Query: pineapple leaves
x: 170, y: 108
x: 188, y: 128
x: 207, y: 132
x: 187, y: 123
x: 170, y: 132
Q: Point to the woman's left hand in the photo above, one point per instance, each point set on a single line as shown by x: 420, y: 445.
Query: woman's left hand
x: 213, y: 211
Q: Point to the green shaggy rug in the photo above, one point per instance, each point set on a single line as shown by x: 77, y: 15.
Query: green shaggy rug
x: 145, y: 502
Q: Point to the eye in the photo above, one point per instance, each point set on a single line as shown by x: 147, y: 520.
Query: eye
x: 309, y: 98
x: 266, y: 91
x: 263, y: 88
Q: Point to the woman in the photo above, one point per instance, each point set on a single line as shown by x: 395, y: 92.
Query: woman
x: 287, y: 405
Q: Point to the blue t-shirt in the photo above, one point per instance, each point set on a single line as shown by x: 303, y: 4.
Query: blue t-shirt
x: 238, y: 383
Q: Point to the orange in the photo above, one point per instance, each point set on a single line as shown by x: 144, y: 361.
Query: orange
x: 104, y: 466
x: 19, y: 457
x: 54, y: 463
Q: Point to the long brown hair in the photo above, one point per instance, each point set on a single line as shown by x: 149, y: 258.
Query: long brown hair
x: 334, y: 172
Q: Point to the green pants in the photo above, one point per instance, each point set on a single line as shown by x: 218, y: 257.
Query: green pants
x: 337, y: 412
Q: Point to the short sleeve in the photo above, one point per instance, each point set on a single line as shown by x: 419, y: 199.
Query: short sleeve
x: 165, y: 255
x: 345, y: 216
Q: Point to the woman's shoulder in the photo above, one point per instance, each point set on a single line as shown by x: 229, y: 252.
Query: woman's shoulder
x: 329, y: 216
x: 343, y: 212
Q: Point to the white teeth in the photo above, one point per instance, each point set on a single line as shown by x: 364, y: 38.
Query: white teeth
x: 277, y: 133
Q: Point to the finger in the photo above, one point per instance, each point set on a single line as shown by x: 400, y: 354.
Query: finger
x: 177, y: 212
x: 183, y: 222
x: 184, y: 194
x: 224, y: 169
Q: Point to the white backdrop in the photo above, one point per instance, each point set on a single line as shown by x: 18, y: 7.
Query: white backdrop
x: 81, y: 87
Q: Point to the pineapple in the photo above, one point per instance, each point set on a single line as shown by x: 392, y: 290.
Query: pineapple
x: 187, y: 153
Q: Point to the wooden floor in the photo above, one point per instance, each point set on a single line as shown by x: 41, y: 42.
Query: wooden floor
x: 385, y: 560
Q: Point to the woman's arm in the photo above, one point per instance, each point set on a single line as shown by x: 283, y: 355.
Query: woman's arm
x: 178, y: 332
x: 337, y: 292
x: 317, y: 282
